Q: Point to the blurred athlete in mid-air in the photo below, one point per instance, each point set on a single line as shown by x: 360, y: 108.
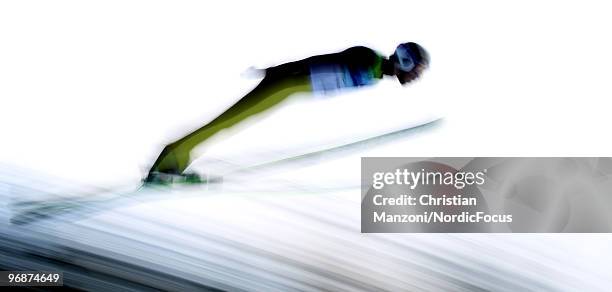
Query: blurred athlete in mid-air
x: 353, y: 67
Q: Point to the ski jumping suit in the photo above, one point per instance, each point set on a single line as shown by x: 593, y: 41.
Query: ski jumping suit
x: 354, y: 67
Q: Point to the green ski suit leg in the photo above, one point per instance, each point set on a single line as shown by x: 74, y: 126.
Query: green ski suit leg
x: 175, y: 157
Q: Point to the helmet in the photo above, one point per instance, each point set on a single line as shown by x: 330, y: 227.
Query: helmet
x: 409, y: 55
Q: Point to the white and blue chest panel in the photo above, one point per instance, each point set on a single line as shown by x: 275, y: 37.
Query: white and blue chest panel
x: 331, y: 78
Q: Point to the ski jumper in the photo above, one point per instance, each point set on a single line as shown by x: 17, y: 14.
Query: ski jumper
x: 354, y: 67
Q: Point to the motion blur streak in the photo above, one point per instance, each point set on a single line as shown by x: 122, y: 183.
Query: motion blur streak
x: 198, y: 238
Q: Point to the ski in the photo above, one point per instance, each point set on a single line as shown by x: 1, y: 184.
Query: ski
x: 315, y: 156
x: 30, y: 212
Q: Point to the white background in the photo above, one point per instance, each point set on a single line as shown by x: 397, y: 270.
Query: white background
x: 91, y: 91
